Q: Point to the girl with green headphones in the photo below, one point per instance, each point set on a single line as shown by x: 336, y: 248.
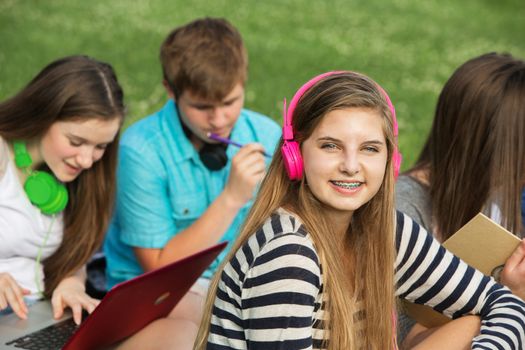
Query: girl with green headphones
x: 58, y: 152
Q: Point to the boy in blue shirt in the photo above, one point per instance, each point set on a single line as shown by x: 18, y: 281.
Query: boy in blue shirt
x: 178, y: 191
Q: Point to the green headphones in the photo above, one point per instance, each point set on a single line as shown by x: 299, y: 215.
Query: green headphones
x: 42, y: 189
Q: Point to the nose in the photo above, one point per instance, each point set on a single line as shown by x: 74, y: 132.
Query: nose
x: 218, y: 118
x: 350, y: 163
x: 85, y: 157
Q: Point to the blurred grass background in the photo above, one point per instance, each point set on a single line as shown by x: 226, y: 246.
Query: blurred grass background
x: 410, y: 47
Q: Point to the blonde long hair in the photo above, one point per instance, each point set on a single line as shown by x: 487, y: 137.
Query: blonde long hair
x: 369, y: 249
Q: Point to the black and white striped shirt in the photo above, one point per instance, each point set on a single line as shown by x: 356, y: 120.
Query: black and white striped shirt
x: 270, y: 294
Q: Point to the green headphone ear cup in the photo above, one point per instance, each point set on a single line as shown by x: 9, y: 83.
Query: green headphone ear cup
x: 45, y: 192
x: 58, y: 202
x: 40, y: 187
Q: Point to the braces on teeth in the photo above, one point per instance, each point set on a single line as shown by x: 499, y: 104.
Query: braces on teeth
x: 349, y: 185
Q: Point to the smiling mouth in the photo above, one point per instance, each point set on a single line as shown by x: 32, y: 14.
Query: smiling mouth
x: 347, y: 185
x: 73, y: 168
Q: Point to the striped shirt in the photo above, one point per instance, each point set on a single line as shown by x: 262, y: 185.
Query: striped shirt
x: 270, y: 295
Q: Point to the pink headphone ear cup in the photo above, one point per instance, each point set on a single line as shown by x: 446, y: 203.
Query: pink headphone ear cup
x: 292, y: 159
x: 396, y: 162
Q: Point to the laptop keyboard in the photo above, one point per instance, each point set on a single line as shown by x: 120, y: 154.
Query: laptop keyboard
x: 49, y: 338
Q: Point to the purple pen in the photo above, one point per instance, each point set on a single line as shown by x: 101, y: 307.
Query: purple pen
x: 229, y: 142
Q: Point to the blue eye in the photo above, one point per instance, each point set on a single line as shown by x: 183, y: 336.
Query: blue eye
x: 371, y: 149
x: 328, y: 146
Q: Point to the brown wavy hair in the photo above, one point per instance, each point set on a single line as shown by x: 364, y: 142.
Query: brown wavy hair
x: 71, y: 88
x: 368, y: 278
x: 206, y: 56
x: 475, y: 153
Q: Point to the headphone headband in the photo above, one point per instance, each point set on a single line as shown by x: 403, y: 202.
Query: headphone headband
x: 291, y: 151
x: 392, y: 110
x: 288, y: 114
x: 22, y: 157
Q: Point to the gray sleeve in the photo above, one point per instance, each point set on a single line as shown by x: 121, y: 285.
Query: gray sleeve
x: 413, y: 200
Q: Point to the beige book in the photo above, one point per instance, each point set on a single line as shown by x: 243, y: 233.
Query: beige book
x: 481, y: 243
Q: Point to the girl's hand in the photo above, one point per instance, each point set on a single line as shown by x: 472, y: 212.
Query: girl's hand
x: 71, y: 292
x: 513, y: 274
x: 11, y: 294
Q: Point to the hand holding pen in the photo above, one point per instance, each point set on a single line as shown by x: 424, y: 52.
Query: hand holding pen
x: 227, y: 141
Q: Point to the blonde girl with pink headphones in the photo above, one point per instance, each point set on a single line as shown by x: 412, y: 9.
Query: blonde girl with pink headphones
x: 323, y: 255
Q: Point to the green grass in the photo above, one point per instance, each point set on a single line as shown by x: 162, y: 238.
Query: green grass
x: 409, y: 46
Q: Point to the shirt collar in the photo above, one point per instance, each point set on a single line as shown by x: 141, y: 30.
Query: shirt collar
x: 178, y: 140
x: 183, y: 145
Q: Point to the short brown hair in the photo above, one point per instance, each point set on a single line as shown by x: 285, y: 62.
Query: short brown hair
x: 206, y: 56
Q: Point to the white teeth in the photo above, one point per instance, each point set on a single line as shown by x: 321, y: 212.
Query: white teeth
x: 347, y: 185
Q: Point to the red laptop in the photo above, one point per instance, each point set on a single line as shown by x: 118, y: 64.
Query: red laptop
x: 127, y: 307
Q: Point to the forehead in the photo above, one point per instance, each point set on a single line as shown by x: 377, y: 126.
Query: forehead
x: 190, y: 96
x: 95, y: 130
x: 351, y: 123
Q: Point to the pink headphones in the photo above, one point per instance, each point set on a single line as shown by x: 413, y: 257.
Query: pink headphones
x: 293, y: 161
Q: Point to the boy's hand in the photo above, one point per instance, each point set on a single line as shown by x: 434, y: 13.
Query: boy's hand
x: 247, y: 170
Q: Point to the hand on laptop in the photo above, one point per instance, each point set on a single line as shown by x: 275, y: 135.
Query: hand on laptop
x: 71, y: 292
x: 11, y: 294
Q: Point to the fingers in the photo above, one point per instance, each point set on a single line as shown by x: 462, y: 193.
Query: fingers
x: 77, y: 312
x: 247, y: 170
x: 16, y: 301
x: 252, y: 166
x: 250, y: 149
x: 89, y: 304
x: 517, y: 257
x: 11, y: 294
x: 58, y: 305
x: 513, y: 274
x: 77, y: 301
x: 249, y: 159
x: 84, y: 302
x: 95, y: 304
